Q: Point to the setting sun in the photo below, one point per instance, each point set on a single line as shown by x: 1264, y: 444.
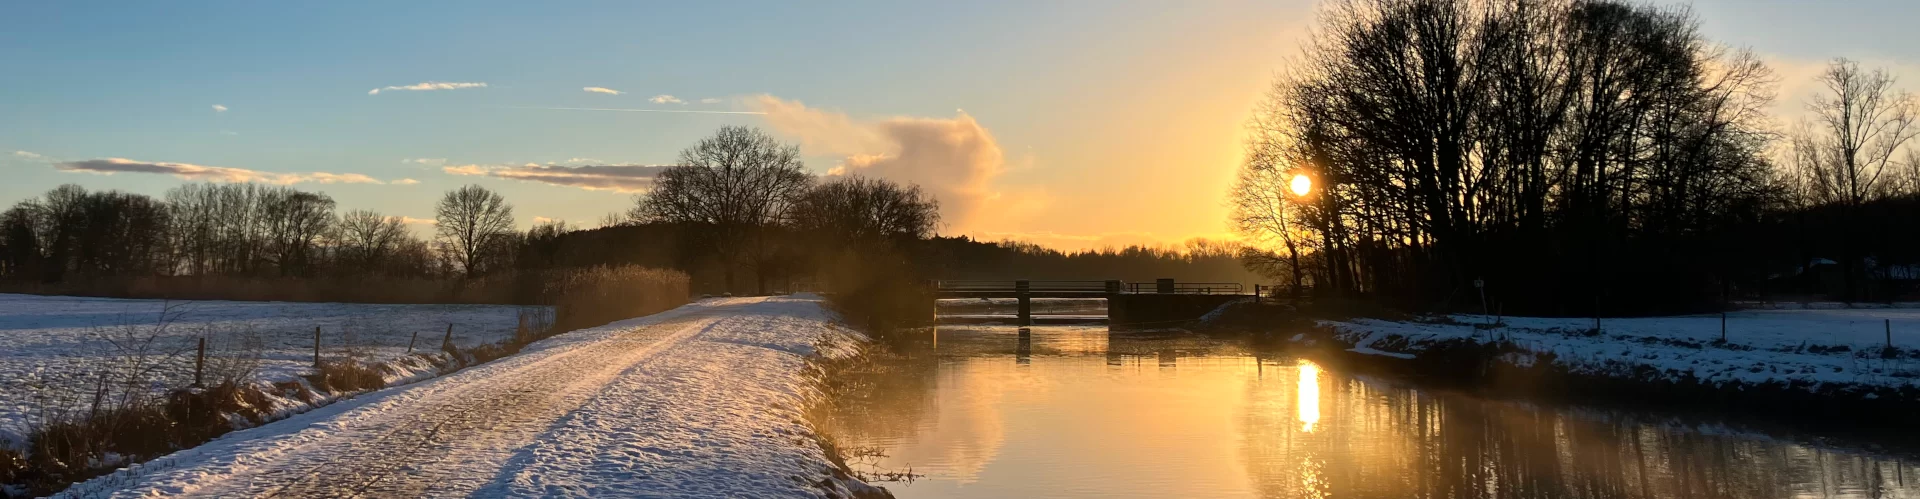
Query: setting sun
x: 1301, y: 184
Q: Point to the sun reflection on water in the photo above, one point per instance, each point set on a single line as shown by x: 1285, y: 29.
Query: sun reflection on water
x: 1309, y: 395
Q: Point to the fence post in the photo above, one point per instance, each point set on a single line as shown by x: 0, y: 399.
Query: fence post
x: 200, y: 363
x: 416, y: 337
x: 316, y: 346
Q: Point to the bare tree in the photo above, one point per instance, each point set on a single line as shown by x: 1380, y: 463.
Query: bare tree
x: 294, y: 222
x: 1267, y: 213
x: 470, y: 221
x: 1859, y: 126
x: 367, y: 239
x: 859, y: 209
x: 1848, y: 150
x: 732, y: 185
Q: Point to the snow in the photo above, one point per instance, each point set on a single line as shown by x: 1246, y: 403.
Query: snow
x: 52, y: 346
x: 701, y: 401
x: 1809, y: 347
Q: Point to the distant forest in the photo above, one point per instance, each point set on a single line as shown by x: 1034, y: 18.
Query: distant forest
x: 1573, y: 157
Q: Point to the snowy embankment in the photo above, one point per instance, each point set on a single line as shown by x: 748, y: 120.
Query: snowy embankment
x: 704, y: 400
x: 1829, y: 351
x: 55, y: 349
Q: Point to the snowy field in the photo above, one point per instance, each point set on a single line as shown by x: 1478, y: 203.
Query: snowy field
x: 52, y: 347
x: 704, y: 400
x: 1814, y: 348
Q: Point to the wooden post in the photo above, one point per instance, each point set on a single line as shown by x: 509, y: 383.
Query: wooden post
x: 200, y: 363
x: 1889, y: 324
x: 316, y: 346
x: 447, y: 342
x: 1723, y: 327
x: 1023, y: 289
x: 416, y: 337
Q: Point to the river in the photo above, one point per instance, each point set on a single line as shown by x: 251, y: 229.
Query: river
x: 977, y: 411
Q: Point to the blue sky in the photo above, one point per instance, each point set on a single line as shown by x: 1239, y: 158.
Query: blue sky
x: 1087, y: 102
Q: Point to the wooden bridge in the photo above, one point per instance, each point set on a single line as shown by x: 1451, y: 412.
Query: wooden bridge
x: 1163, y: 301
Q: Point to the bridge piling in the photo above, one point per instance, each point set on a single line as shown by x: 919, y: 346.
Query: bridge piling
x: 1024, y: 290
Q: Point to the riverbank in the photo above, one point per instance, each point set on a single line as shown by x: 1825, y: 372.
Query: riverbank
x: 1791, y: 365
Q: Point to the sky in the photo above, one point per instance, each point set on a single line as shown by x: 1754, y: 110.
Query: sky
x: 1072, y: 124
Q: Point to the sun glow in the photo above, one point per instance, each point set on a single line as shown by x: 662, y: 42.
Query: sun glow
x: 1309, y: 393
x: 1301, y: 185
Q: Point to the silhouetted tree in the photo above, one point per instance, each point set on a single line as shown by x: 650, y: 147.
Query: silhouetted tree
x: 730, y: 187
x: 470, y: 221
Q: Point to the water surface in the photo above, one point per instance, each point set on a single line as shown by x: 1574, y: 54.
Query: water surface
x: 979, y: 412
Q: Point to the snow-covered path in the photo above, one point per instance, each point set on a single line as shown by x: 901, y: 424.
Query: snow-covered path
x: 704, y: 400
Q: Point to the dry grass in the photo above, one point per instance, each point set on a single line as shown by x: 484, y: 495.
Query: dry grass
x: 591, y: 297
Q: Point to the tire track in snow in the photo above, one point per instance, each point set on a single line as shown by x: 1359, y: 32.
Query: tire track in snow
x: 432, y: 446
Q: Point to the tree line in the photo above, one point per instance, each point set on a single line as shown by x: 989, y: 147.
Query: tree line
x: 249, y: 230
x: 1564, y: 156
x: 739, y: 214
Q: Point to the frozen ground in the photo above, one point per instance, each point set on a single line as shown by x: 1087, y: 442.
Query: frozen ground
x: 52, y: 347
x: 701, y: 401
x: 1812, y: 348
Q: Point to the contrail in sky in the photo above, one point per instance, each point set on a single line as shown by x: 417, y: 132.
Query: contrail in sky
x: 627, y: 110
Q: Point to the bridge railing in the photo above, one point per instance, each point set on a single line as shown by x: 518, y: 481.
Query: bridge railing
x: 1187, y: 288
x: 1032, y: 286
x: 998, y: 286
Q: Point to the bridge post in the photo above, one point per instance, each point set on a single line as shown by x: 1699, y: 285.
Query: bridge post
x: 1024, y: 290
x: 1163, y: 286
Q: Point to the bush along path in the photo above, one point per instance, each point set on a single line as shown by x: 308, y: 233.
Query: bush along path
x: 704, y: 400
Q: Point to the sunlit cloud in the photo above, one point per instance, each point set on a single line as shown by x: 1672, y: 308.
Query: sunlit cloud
x: 665, y: 99
x: 710, y: 100
x: 405, y: 181
x: 425, y: 161
x: 955, y: 159
x: 219, y: 108
x: 28, y: 155
x: 617, y: 178
x: 430, y: 85
x: 418, y: 221
x: 603, y: 90
x: 109, y: 166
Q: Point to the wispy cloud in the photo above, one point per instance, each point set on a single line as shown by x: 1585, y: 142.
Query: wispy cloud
x: 603, y: 90
x: 425, y: 161
x: 430, y: 85
x: 710, y: 100
x: 618, y: 178
x: 405, y: 181
x: 109, y: 166
x: 665, y: 99
x: 418, y: 221
x: 630, y: 110
x: 219, y: 108
x: 28, y: 155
